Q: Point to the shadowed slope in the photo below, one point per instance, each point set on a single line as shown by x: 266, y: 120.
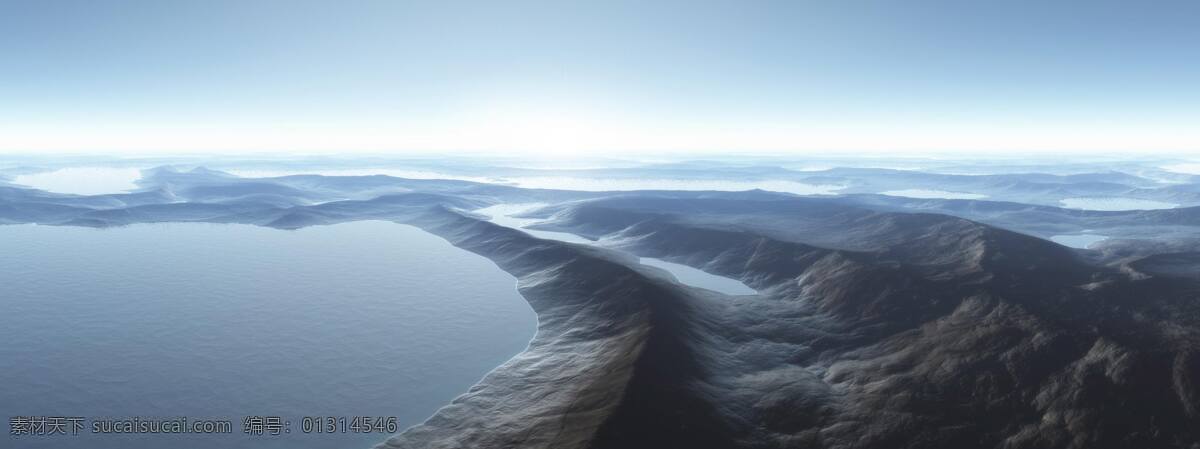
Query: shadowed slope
x: 872, y: 329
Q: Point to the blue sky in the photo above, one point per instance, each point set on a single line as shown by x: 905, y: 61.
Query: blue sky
x: 566, y: 77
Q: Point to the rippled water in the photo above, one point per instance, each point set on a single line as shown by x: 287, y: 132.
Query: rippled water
x: 225, y: 321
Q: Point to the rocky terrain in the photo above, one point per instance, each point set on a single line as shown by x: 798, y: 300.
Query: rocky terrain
x: 880, y: 322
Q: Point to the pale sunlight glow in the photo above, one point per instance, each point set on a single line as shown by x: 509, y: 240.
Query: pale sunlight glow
x: 565, y: 135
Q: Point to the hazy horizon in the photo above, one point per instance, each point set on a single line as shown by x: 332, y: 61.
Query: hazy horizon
x: 549, y: 79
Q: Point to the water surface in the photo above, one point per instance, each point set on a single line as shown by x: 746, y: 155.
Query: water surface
x: 577, y: 183
x: 1115, y: 204
x: 503, y: 214
x: 1185, y: 168
x: 83, y: 180
x: 934, y: 194
x: 1078, y: 240
x: 699, y: 278
x: 629, y: 184
x: 394, y: 172
x: 224, y: 321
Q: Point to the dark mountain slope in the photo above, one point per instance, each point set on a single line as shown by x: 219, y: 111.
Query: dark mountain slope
x: 873, y: 328
x: 1009, y: 341
x: 598, y: 321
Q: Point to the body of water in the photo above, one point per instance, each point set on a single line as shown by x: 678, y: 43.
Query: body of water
x: 573, y: 182
x: 398, y: 173
x: 210, y: 321
x: 934, y: 194
x: 83, y: 180
x: 1190, y: 168
x: 1115, y: 204
x: 1078, y: 240
x: 621, y: 184
x: 699, y: 278
x: 502, y: 214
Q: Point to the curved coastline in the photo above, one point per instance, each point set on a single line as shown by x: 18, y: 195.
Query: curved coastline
x: 869, y: 322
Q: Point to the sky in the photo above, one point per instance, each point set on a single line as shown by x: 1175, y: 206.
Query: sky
x: 562, y: 78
